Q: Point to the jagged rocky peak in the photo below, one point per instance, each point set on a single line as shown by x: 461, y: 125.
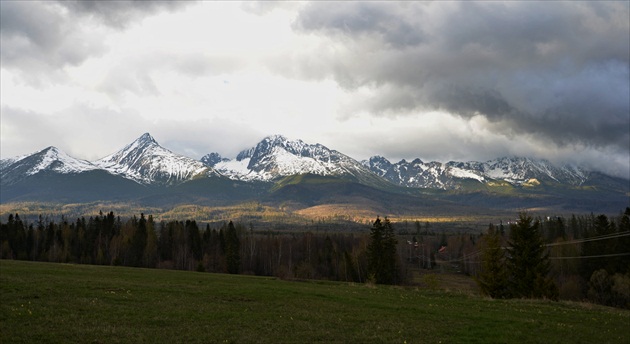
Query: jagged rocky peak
x: 264, y: 147
x: 514, y: 170
x: 520, y: 169
x: 278, y: 145
x: 146, y: 162
x: 268, y: 144
x: 131, y: 151
x: 212, y: 159
x: 55, y: 159
x: 146, y: 137
x: 245, y: 154
x: 379, y: 160
x: 144, y: 141
x: 271, y: 144
x: 48, y: 159
x: 377, y: 164
x: 277, y: 156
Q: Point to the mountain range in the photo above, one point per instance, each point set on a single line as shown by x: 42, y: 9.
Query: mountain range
x: 278, y: 169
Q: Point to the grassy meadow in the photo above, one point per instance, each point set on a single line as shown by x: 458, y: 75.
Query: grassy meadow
x: 59, y: 303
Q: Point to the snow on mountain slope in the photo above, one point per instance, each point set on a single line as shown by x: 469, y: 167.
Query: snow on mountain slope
x: 146, y: 162
x: 56, y: 160
x: 516, y: 171
x: 519, y: 170
x: 276, y: 156
x: 4, y: 163
x: 48, y: 159
x: 416, y: 173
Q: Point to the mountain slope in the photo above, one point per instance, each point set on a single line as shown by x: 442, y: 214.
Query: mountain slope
x: 521, y: 172
x: 88, y: 186
x: 52, y: 175
x: 279, y: 170
x: 276, y: 157
x: 48, y: 159
x: 146, y: 162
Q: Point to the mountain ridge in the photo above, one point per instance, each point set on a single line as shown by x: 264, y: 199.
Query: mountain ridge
x: 276, y: 157
x: 146, y: 162
x: 50, y: 158
x: 146, y: 172
x: 517, y: 171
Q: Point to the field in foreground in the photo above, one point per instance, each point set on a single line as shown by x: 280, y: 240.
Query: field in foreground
x: 43, y: 302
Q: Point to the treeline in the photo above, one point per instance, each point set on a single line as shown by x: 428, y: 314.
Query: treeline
x: 228, y: 248
x: 579, y: 258
x: 586, y: 257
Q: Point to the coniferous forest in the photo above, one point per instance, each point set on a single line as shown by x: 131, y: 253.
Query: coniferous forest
x: 584, y: 257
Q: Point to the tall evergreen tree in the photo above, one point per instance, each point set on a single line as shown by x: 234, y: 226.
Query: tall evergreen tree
x: 492, y: 279
x: 381, y: 252
x: 151, y: 248
x: 375, y: 250
x: 527, y: 263
x: 232, y: 249
x: 601, y: 226
x: 623, y: 262
x: 138, y: 241
x: 390, y: 272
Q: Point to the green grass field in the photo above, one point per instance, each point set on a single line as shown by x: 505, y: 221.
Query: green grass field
x: 52, y: 303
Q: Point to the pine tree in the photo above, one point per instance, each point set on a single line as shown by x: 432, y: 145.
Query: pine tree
x: 492, y: 279
x: 389, y: 275
x: 375, y: 250
x: 138, y: 241
x: 151, y: 248
x: 382, y: 252
x: 623, y: 262
x: 232, y: 249
x: 527, y: 264
x: 601, y: 226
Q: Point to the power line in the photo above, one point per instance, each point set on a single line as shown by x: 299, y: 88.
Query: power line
x: 597, y: 256
x: 577, y: 241
x: 597, y: 238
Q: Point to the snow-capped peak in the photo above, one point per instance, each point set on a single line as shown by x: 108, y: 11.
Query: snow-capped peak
x: 142, y: 143
x: 212, y: 159
x: 276, y: 156
x: 147, y: 138
x: 146, y: 162
x: 516, y: 171
x: 48, y: 159
x: 52, y: 158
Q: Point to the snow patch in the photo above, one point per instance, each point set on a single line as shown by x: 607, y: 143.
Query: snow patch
x: 465, y: 174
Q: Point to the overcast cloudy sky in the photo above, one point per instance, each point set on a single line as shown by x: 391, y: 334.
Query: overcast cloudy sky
x: 435, y: 80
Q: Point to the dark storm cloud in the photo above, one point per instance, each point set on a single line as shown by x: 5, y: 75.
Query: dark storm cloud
x: 390, y: 23
x: 557, y: 70
x: 37, y: 36
x: 120, y: 13
x: 41, y: 37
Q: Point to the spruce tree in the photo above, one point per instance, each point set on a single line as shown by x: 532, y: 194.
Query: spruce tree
x: 232, y: 249
x: 492, y: 279
x: 381, y: 252
x: 601, y: 226
x: 138, y: 241
x: 528, y: 265
x: 389, y: 275
x: 623, y: 262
